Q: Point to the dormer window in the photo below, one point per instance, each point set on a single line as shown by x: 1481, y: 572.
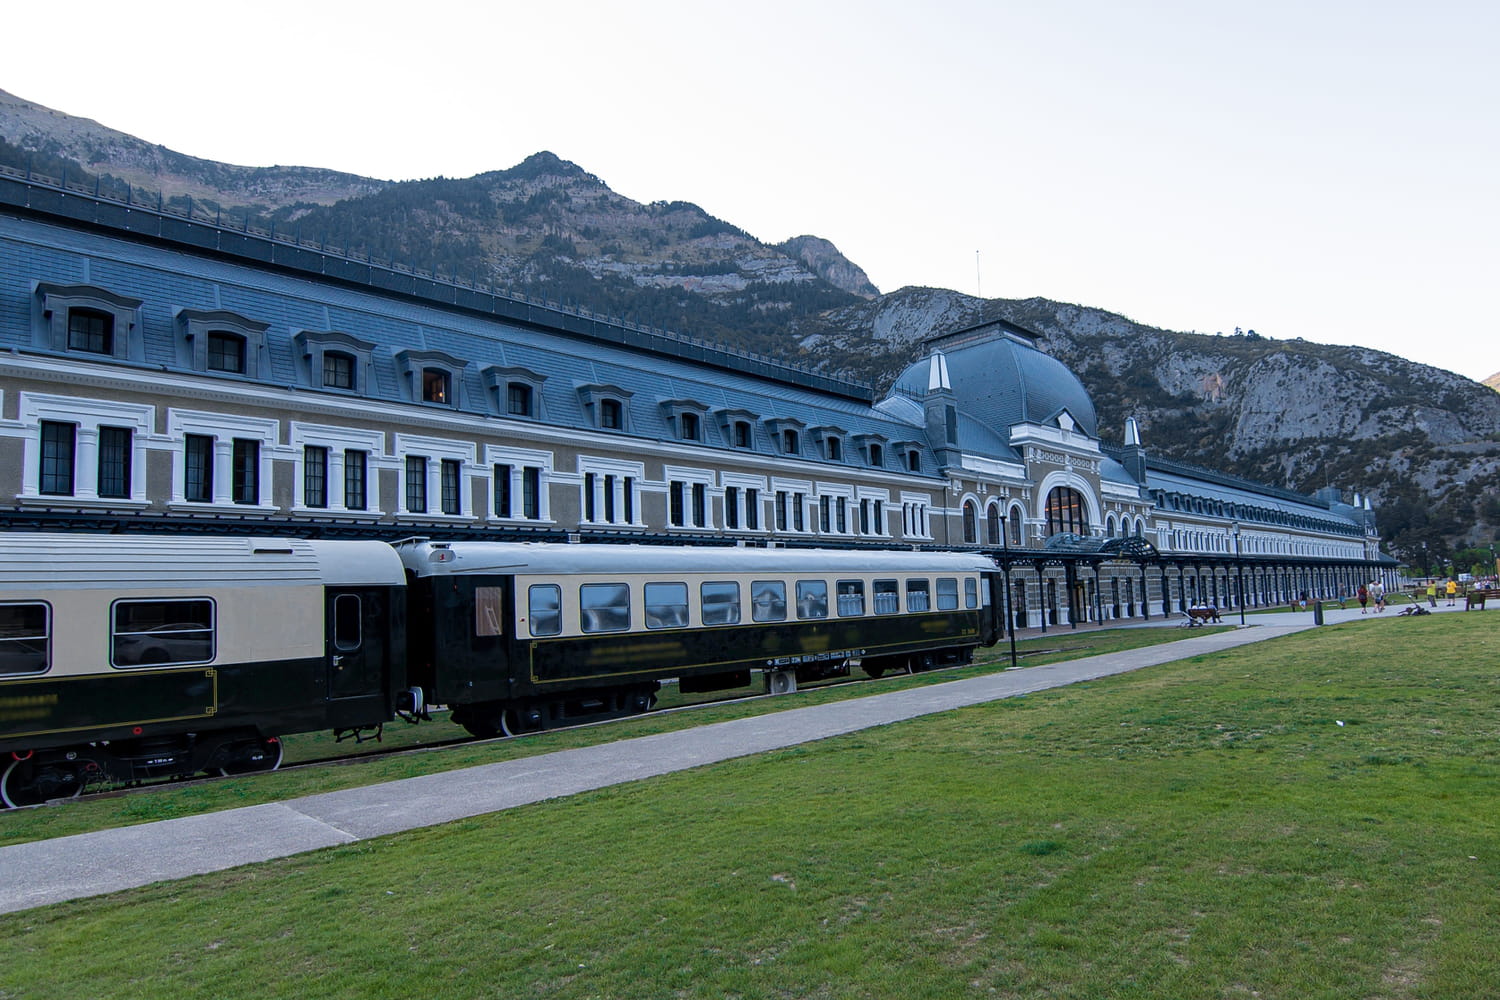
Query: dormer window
x: 607, y: 404
x: 336, y: 360
x: 830, y: 442
x: 219, y: 341
x: 835, y: 449
x: 871, y: 448
x: 226, y: 352
x: 877, y: 455
x: 433, y: 376
x: 437, y: 386
x: 87, y: 319
x: 338, y: 370
x: 686, y: 418
x: 92, y: 331
x: 690, y: 428
x: 611, y: 414
x: 514, y: 392
x: 791, y: 444
x: 738, y: 427
x: 914, y: 460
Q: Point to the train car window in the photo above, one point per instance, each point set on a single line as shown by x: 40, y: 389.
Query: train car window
x: 604, y: 607
x: 721, y: 603
x: 544, y: 607
x: 851, y: 598
x: 666, y: 605
x: 812, y: 599
x: 918, y: 596
x: 157, y: 633
x: 887, y: 597
x: 346, y: 622
x: 768, y: 601
x: 25, y: 639
x: 971, y: 593
x: 947, y: 591
x: 487, y: 611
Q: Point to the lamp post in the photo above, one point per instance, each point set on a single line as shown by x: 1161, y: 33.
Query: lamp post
x: 1239, y: 567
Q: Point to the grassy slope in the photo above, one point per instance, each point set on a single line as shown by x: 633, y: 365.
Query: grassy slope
x: 1201, y: 829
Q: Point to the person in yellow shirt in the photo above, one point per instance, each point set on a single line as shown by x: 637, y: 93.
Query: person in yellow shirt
x: 1452, y: 592
x: 1432, y: 593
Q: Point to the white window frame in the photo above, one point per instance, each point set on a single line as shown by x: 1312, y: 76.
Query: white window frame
x: 337, y: 440
x: 87, y: 415
x: 435, y: 450
x: 517, y: 459
x: 224, y: 428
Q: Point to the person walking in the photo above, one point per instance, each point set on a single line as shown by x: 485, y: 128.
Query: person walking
x: 1364, y: 598
x: 1377, y: 594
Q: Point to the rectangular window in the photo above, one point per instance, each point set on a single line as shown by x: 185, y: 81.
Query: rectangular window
x: 246, y: 470
x: 91, y: 331
x: 544, y: 607
x: 887, y: 597
x: 812, y: 599
x: 25, y: 639
x: 947, y: 593
x: 768, y: 601
x: 799, y: 507
x: 824, y: 522
x: 354, y: 479
x: 918, y: 596
x: 58, y: 442
x: 489, y: 611
x: 338, y: 370
x: 452, y: 479
x: 731, y: 507
x: 198, y: 468
x: 700, y: 505
x: 531, y: 492
x: 604, y: 607
x: 416, y: 484
x: 588, y: 497
x: 676, y: 503
x: 666, y: 605
x: 721, y: 603
x: 609, y: 499
x: 629, y: 500
x: 781, y: 502
x: 851, y: 598
x: 841, y: 515
x: 115, y: 453
x: 502, y: 491
x: 226, y: 353
x: 752, y: 509
x: 314, y: 476
x: 436, y: 385
x: 971, y: 593
x: 159, y: 633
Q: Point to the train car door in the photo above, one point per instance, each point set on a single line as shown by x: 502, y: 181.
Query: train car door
x: 357, y: 644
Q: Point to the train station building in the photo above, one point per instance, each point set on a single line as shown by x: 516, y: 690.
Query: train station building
x: 164, y: 371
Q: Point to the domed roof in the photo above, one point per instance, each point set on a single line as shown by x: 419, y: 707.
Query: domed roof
x: 1002, y: 381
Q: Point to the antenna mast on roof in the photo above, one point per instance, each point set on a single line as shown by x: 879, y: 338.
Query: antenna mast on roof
x: 978, y: 285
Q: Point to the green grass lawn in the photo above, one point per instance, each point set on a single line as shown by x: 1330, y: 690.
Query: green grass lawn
x: 1201, y: 829
x: 176, y: 799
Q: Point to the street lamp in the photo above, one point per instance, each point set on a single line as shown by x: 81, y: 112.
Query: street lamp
x: 1240, y: 569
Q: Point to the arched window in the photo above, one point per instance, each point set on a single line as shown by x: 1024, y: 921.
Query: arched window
x: 992, y: 525
x: 1066, y: 512
x: 1015, y: 526
x: 971, y: 522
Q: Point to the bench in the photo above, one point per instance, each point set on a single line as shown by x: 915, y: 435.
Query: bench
x: 1201, y: 616
x: 1476, y: 598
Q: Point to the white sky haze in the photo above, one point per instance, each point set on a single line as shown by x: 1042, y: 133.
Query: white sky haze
x: 1322, y: 169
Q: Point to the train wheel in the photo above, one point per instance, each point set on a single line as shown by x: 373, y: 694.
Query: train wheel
x: 263, y: 755
x: 23, y: 784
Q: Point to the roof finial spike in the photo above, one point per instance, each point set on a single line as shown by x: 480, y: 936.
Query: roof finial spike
x: 1132, y: 433
x: 937, y: 374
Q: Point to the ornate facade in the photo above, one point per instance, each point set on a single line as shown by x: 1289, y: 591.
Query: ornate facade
x: 161, y: 372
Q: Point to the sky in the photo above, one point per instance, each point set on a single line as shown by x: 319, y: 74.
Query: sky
x: 1323, y: 169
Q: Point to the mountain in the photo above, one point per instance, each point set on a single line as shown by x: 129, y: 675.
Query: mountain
x: 1422, y: 443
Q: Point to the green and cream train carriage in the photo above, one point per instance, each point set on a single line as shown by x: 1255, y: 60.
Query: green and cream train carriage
x: 130, y: 657
x: 528, y: 635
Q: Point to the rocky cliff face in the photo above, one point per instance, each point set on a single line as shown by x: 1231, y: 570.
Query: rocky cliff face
x: 100, y: 149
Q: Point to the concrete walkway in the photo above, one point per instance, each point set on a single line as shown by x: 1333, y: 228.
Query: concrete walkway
x: 90, y: 864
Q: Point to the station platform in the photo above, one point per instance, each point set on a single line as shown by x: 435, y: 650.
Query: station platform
x: 51, y: 871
